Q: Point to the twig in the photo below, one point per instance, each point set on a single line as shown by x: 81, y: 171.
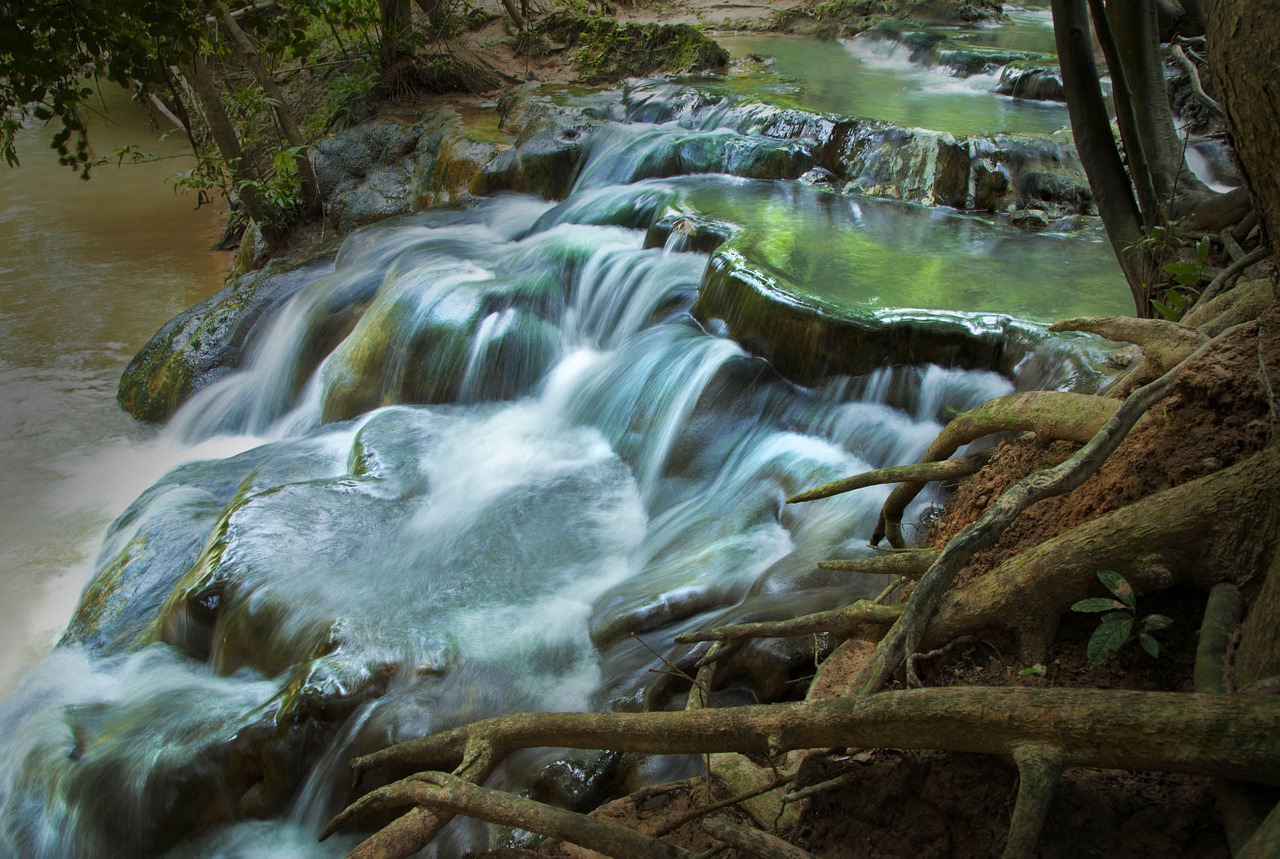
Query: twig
x: 1196, y: 86
x: 672, y: 825
x: 821, y: 787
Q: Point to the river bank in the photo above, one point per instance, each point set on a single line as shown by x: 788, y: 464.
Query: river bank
x: 506, y: 432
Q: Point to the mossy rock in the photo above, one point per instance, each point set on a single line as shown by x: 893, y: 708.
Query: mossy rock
x: 609, y: 51
x: 205, y: 342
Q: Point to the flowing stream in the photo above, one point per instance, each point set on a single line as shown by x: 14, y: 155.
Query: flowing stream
x: 89, y: 271
x: 482, y: 461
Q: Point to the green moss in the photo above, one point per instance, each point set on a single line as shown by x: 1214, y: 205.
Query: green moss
x: 609, y: 51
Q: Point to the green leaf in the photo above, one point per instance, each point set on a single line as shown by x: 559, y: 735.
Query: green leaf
x: 1149, y: 644
x: 1165, y: 310
x: 1097, y: 604
x: 1118, y: 585
x: 1185, y: 273
x: 1202, y: 251
x: 1116, y: 617
x: 1152, y: 622
x: 1107, y: 639
x: 1036, y: 670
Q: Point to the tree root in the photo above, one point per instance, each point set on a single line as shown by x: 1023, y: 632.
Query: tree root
x: 1027, y: 593
x: 839, y: 622
x: 495, y: 806
x: 1051, y: 415
x: 1039, y: 768
x: 1163, y: 343
x: 753, y: 841
x: 906, y: 634
x: 946, y: 469
x: 909, y: 563
x: 1233, y: 736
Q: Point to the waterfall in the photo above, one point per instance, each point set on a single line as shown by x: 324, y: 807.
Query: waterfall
x: 479, y: 449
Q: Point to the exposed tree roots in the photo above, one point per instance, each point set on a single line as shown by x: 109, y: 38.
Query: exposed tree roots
x: 1229, y: 736
x: 1203, y: 533
x: 1051, y: 415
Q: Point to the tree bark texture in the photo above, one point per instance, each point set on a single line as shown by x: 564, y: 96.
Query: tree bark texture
x: 1234, y: 736
x: 1225, y: 526
x: 1091, y: 129
x: 1244, y: 58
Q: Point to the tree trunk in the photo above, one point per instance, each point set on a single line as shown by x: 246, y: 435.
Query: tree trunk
x: 1137, y: 31
x: 284, y: 117
x: 1244, y: 58
x: 224, y: 135
x: 1091, y: 129
x: 395, y: 27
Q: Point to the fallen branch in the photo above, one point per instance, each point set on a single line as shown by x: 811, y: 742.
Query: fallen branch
x: 839, y: 622
x: 947, y: 469
x: 910, y: 563
x: 753, y: 841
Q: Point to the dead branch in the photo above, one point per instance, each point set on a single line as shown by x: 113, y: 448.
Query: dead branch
x: 839, y: 622
x: 753, y: 841
x: 947, y: 469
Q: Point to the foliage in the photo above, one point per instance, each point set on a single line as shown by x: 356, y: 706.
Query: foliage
x: 49, y: 53
x: 1120, y: 624
x: 1187, y: 275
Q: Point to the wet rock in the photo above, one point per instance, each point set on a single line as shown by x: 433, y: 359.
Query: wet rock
x: 376, y: 170
x: 808, y: 340
x: 1037, y: 83
x: 148, y: 549
x: 543, y: 162
x: 1031, y: 220
x: 879, y: 159
x: 202, y: 344
x: 688, y: 233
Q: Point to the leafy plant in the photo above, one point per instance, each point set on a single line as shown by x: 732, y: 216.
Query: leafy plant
x: 1187, y: 275
x: 1120, y: 624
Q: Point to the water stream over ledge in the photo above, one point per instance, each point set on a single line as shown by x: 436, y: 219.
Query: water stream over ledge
x: 480, y: 448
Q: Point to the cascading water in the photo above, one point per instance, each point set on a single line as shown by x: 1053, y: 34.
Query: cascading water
x: 485, y: 449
